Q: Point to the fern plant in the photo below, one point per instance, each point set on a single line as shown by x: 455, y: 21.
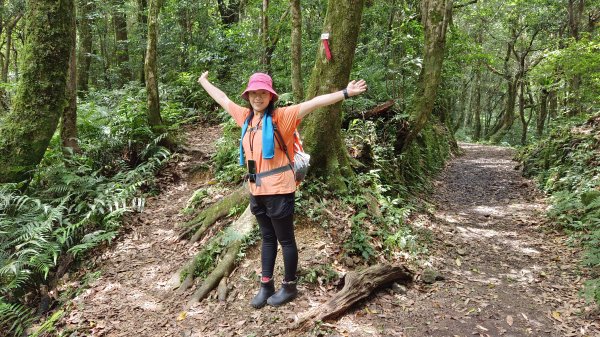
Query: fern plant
x: 567, y: 165
x: 72, y: 209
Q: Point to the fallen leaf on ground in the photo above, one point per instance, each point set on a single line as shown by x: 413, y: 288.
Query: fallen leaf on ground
x: 509, y: 320
x: 556, y: 316
x: 482, y: 328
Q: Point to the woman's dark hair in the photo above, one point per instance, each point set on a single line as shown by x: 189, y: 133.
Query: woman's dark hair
x: 268, y: 110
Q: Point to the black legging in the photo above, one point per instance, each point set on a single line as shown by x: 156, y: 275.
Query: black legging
x: 281, y: 230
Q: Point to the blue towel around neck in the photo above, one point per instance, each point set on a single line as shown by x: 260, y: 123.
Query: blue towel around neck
x: 268, y: 141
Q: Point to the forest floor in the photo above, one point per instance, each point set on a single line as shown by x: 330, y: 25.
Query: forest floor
x: 503, y: 270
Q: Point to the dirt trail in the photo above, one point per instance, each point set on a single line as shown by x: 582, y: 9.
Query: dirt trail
x: 504, y: 274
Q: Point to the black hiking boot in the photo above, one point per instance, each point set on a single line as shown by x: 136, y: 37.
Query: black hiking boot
x: 266, y: 290
x: 286, y: 293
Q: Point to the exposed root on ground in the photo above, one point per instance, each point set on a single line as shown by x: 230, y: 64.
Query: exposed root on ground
x: 232, y: 239
x: 209, y: 216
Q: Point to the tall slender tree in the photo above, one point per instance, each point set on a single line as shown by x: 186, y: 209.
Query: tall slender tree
x: 143, y: 23
x: 122, y: 40
x: 68, y: 127
x: 322, y: 128
x: 154, y: 118
x: 26, y: 130
x: 296, y: 49
x: 435, y: 17
x: 84, y: 58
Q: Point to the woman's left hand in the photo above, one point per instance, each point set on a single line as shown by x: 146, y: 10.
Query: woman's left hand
x: 356, y: 87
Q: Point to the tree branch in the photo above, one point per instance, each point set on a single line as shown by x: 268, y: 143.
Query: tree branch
x: 465, y: 4
x: 494, y: 70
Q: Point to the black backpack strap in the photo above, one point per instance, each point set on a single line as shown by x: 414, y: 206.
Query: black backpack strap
x: 280, y: 141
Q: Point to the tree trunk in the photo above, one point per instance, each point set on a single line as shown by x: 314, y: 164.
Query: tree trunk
x: 322, y: 135
x: 121, y: 40
x: 524, y: 121
x: 27, y: 129
x: 575, y: 11
x: 229, y: 12
x: 265, y: 59
x: 68, y: 130
x: 552, y: 104
x: 7, y: 54
x: 1, y: 16
x: 477, y: 95
x: 508, y: 118
x: 143, y: 22
x: 435, y: 16
x: 84, y: 61
x: 105, y: 57
x: 296, y: 50
x: 154, y: 119
x: 541, y: 118
x: 9, y: 29
x: 477, y: 106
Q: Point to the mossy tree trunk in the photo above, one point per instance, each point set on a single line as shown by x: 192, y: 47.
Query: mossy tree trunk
x: 143, y: 22
x: 84, y: 59
x: 477, y: 106
x: 508, y: 115
x: 9, y: 46
x: 477, y: 95
x: 150, y: 69
x: 68, y: 128
x: 8, y: 27
x: 524, y: 120
x: 575, y: 13
x: 321, y: 129
x: 26, y: 130
x: 122, y: 41
x: 296, y: 49
x: 435, y: 17
x: 541, y: 118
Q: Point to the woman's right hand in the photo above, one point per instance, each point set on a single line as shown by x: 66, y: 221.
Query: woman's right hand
x: 204, y: 76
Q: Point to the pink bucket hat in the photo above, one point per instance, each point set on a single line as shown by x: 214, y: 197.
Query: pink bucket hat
x: 260, y: 81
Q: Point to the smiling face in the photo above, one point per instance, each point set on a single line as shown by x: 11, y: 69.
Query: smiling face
x: 259, y: 99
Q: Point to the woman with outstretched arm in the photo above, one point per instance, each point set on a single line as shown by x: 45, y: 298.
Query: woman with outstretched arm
x: 270, y: 176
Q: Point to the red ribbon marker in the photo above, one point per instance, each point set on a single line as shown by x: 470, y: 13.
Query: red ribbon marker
x: 325, y: 39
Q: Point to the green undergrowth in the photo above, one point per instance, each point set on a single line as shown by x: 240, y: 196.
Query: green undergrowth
x: 76, y: 202
x: 566, y: 165
x: 372, y: 214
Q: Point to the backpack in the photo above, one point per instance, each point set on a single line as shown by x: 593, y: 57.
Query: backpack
x: 301, y: 161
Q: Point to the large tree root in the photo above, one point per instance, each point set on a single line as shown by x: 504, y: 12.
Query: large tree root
x: 190, y: 268
x: 236, y: 234
x: 209, y: 216
x: 358, y: 285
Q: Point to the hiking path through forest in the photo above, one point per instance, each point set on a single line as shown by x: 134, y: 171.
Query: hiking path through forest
x: 496, y: 267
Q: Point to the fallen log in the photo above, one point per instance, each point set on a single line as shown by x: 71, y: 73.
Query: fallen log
x: 380, y: 110
x: 358, y: 285
x: 383, y: 110
x: 236, y: 234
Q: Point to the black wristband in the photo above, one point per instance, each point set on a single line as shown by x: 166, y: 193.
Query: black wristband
x: 345, y: 91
